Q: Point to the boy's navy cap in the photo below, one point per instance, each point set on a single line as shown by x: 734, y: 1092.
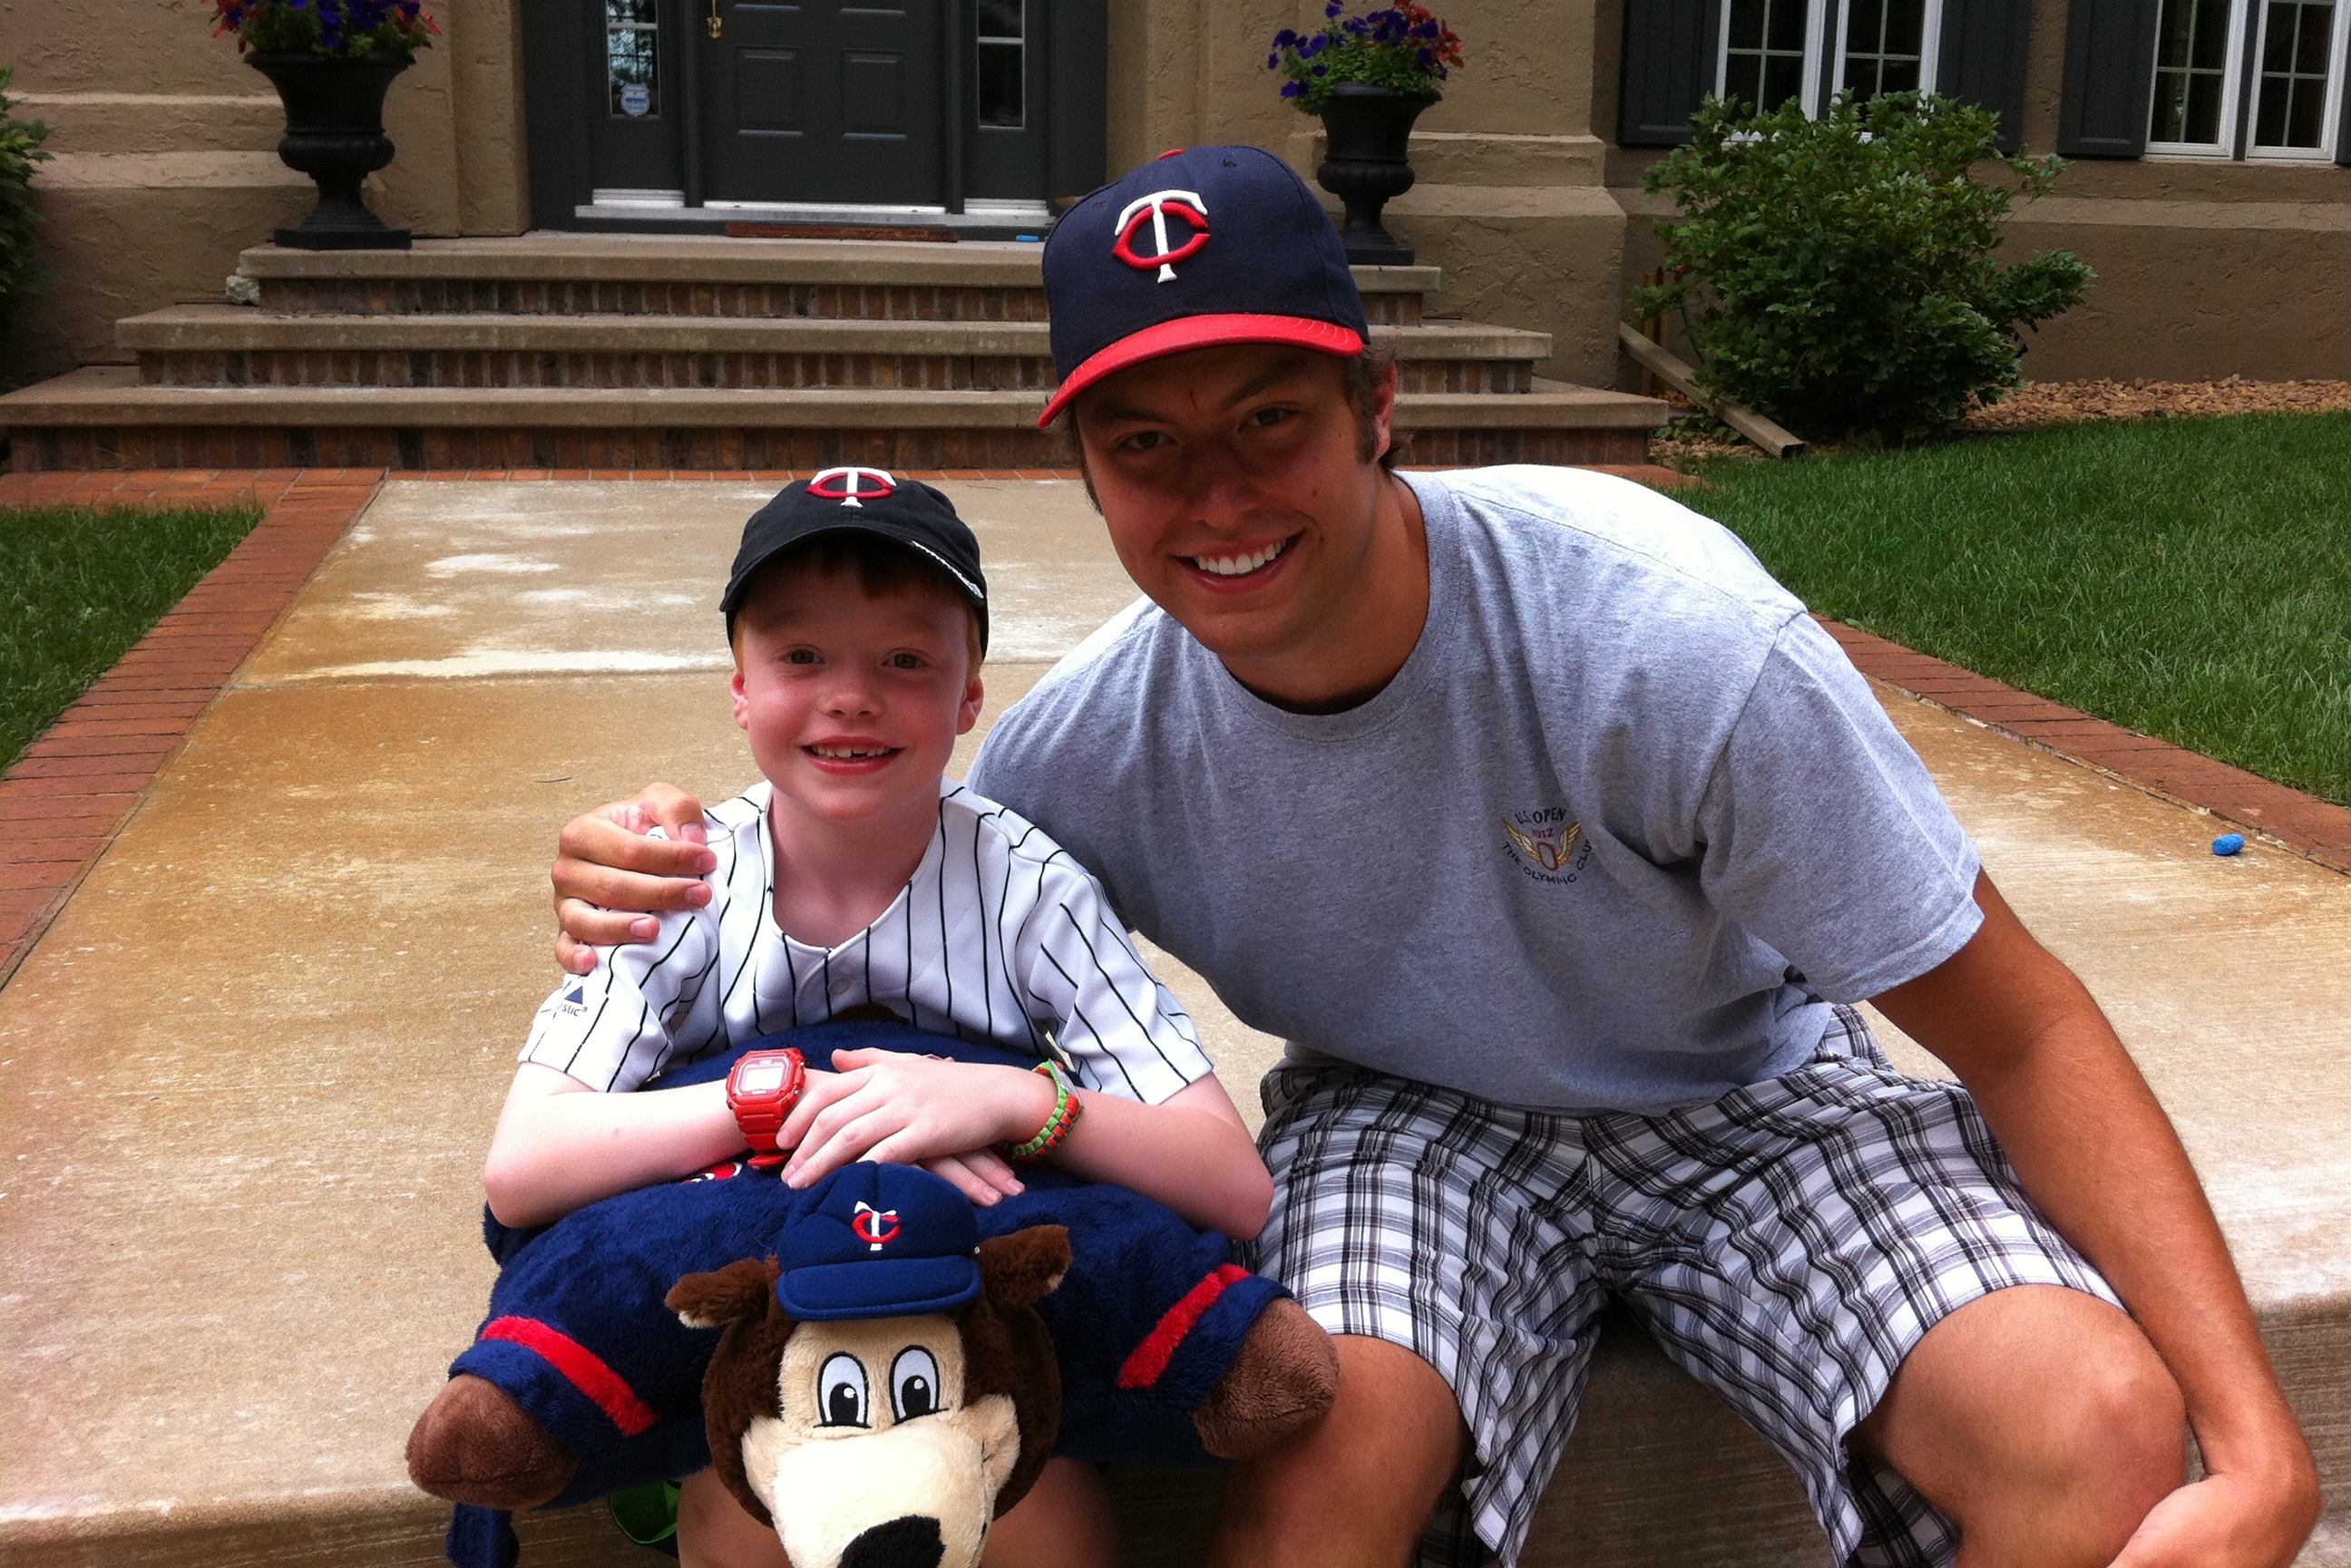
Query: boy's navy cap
x: 907, y: 512
x: 1217, y: 245
x: 875, y: 1240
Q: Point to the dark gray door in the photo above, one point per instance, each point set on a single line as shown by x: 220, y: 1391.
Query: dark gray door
x: 812, y: 100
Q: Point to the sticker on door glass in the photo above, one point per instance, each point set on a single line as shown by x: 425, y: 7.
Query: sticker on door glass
x: 636, y: 97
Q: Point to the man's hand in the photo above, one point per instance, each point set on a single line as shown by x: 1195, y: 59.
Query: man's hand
x: 2225, y: 1519
x: 608, y: 877
x: 914, y: 1110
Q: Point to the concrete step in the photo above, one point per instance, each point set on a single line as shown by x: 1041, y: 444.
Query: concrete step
x: 228, y: 345
x: 690, y: 275
x: 105, y: 417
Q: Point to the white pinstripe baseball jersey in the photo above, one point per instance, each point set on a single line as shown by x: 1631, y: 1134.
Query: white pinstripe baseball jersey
x: 998, y: 936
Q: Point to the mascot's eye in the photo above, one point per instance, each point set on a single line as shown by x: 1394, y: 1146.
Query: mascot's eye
x: 913, y: 1383
x: 840, y: 1393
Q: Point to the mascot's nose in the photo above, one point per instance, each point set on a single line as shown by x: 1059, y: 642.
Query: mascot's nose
x: 912, y: 1542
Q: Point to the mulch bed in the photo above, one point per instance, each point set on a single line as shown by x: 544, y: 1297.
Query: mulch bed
x: 2040, y: 403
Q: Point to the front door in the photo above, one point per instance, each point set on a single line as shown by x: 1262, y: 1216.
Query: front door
x: 815, y: 100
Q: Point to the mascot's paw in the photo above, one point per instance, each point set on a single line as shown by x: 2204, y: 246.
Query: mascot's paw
x: 1281, y: 1383
x: 474, y: 1444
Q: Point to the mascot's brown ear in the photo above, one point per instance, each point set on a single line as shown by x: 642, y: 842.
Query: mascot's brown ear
x: 1020, y: 1267
x: 741, y: 1289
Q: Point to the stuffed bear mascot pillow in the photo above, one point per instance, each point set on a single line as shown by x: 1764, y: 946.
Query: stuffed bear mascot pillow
x: 885, y: 1388
x: 582, y: 1382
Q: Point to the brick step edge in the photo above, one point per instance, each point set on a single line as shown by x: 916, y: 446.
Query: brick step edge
x: 2286, y: 817
x: 37, y: 449
x: 695, y: 369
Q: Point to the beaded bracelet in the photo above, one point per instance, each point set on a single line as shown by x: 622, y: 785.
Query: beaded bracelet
x: 1066, y: 1106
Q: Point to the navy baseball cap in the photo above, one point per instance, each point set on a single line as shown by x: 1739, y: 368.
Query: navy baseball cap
x: 875, y: 1240
x: 907, y: 512
x: 1213, y: 246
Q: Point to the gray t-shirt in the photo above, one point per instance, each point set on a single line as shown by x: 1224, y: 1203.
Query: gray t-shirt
x: 1622, y: 827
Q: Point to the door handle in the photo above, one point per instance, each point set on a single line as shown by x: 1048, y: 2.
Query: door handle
x: 717, y: 28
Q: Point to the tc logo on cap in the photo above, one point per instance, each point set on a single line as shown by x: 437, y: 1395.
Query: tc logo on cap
x: 877, y: 1228
x: 846, y: 484
x: 1187, y: 206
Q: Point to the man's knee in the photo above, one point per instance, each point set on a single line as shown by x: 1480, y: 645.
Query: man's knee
x: 2119, y: 1414
x: 2034, y: 1406
x: 1362, y: 1481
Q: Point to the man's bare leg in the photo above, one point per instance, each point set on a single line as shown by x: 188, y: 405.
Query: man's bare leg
x: 2041, y: 1421
x: 1065, y: 1521
x: 1356, y: 1491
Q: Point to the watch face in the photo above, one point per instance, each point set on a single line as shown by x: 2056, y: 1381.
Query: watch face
x: 764, y: 1079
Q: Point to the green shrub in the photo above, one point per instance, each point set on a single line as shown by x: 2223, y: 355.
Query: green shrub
x: 20, y: 143
x: 1836, y: 273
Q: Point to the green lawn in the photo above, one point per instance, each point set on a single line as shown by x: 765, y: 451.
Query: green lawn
x: 2188, y: 578
x: 80, y: 585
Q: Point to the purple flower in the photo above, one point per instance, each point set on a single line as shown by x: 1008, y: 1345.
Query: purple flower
x: 1285, y: 38
x: 1293, y: 89
x: 1320, y: 70
x: 1423, y: 58
x: 1274, y: 62
x: 1333, y: 8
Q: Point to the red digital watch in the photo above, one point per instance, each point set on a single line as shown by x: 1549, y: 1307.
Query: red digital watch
x: 762, y: 1091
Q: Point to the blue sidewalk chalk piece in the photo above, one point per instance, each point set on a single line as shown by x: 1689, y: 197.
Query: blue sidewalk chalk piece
x: 2228, y: 843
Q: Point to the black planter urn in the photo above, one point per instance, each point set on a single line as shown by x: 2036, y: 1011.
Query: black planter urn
x: 334, y: 134
x: 1365, y: 130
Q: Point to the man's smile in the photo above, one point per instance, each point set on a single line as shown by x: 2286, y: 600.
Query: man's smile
x: 1241, y: 565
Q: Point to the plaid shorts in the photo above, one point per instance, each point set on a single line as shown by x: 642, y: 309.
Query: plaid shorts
x: 1786, y: 1245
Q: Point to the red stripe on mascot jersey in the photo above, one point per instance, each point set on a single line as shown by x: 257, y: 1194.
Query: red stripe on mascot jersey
x: 1151, y: 1357
x: 584, y: 1368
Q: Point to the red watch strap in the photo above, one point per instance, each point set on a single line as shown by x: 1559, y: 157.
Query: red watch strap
x: 760, y: 1116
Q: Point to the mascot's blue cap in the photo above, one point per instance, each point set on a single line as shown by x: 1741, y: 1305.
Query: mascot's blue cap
x: 874, y: 1240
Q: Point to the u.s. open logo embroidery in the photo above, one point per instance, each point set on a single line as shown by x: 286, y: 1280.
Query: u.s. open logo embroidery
x: 1546, y: 844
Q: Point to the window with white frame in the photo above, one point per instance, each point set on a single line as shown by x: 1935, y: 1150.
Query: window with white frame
x: 1773, y: 50
x: 2249, y: 78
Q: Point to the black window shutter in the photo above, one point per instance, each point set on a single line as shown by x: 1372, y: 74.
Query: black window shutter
x: 1668, y: 69
x: 2109, y: 78
x: 1983, y: 53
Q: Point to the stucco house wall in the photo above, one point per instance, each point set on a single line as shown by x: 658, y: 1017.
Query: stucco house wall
x: 165, y: 170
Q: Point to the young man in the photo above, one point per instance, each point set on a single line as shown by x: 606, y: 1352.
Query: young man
x: 1557, y: 839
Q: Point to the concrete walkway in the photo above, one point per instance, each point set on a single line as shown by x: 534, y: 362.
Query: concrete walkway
x: 248, y: 1074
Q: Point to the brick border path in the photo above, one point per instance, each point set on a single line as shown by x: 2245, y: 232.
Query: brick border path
x: 66, y: 798
x: 2316, y: 829
x: 63, y: 801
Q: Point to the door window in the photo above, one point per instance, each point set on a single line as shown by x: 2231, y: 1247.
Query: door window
x: 1000, y: 52
x: 632, y: 59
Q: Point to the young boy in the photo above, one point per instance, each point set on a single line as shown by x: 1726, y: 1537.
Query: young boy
x: 856, y: 874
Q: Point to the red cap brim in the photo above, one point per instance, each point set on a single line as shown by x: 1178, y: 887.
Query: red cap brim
x: 1188, y: 332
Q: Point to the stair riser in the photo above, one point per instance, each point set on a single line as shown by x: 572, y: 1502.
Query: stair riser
x: 717, y: 448
x: 806, y: 301
x: 733, y: 372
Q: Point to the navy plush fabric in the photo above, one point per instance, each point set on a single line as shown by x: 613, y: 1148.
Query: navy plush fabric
x: 597, y: 1278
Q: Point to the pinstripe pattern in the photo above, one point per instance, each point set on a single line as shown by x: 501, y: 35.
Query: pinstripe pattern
x: 999, y: 936
x: 1786, y: 1245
